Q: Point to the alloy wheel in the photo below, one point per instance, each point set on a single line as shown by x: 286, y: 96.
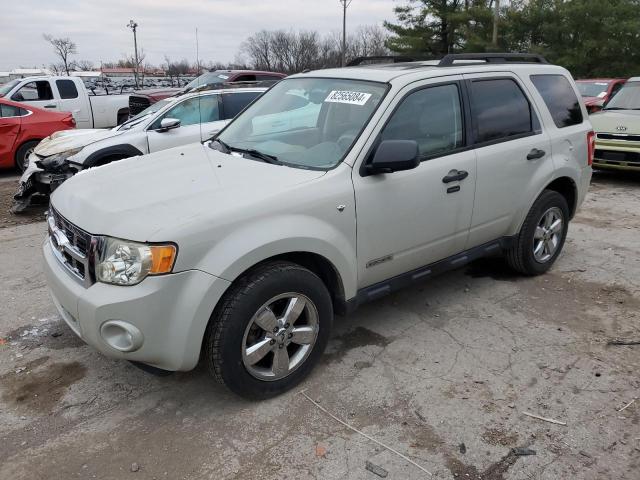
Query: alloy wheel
x: 548, y: 235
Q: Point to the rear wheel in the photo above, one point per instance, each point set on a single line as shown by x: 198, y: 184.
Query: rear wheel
x: 269, y: 330
x: 23, y: 153
x: 542, y: 235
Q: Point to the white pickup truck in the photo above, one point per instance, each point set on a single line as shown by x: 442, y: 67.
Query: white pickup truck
x: 68, y: 94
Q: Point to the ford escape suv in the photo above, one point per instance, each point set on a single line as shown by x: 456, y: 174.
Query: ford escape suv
x: 334, y: 188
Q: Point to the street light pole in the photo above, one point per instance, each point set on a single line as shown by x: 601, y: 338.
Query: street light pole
x: 345, y: 4
x: 133, y: 26
x: 496, y: 18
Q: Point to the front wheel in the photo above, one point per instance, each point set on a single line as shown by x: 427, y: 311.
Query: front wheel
x: 542, y: 235
x: 23, y: 153
x: 269, y: 330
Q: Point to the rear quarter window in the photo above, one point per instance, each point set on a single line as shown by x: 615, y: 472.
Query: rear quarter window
x: 67, y: 89
x: 560, y: 99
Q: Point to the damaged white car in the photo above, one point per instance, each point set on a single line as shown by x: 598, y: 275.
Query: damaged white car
x: 168, y: 123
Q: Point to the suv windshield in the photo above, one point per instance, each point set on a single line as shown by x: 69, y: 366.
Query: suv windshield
x: 628, y: 98
x: 306, y: 122
x: 592, y: 89
x: 6, y: 88
x: 147, y: 111
x: 209, y: 78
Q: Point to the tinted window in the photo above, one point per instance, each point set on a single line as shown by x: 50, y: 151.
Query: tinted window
x: 34, y: 91
x: 193, y: 111
x: 500, y: 110
x: 245, y: 78
x: 432, y: 117
x: 11, y: 111
x: 560, y: 99
x: 627, y: 98
x: 266, y: 76
x: 67, y: 89
x: 234, y: 103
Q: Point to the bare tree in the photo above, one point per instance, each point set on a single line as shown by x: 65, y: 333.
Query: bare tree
x: 84, y: 65
x: 63, y: 47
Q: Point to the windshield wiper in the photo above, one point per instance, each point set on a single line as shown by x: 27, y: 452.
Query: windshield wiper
x: 265, y: 157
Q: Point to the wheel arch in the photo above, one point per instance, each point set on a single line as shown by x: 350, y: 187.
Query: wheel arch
x: 22, y: 144
x: 115, y: 152
x: 566, y: 187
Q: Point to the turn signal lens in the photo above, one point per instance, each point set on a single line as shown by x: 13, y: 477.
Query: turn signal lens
x: 591, y: 147
x: 162, y: 258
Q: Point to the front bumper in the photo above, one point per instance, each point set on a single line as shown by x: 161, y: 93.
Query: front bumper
x: 170, y: 312
x: 617, y: 154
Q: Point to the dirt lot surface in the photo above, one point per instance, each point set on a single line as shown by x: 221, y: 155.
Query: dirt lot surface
x: 442, y: 373
x: 8, y: 186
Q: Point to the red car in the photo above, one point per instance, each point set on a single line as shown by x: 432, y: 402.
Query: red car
x: 143, y: 98
x: 598, y: 91
x: 21, y: 129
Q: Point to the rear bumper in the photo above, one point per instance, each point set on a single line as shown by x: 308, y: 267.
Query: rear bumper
x: 167, y: 314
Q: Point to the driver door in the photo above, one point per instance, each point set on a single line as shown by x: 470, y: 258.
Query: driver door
x: 409, y: 219
x: 199, y: 116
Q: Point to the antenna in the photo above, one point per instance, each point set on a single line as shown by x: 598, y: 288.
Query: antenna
x: 198, y: 87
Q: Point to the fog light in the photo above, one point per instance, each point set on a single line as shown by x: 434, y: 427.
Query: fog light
x: 121, y: 336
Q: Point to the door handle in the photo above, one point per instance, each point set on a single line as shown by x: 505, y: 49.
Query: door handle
x: 455, y: 176
x: 535, y: 154
x: 49, y: 106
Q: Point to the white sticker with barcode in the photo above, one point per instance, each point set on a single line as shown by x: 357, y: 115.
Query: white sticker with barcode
x: 352, y: 98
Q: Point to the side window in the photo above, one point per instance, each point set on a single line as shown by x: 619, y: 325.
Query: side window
x: 432, y: 117
x: 33, y: 91
x: 500, y: 110
x: 67, y: 89
x: 615, y: 89
x: 265, y: 77
x: 7, y: 111
x: 234, y: 103
x: 561, y: 100
x: 192, y: 111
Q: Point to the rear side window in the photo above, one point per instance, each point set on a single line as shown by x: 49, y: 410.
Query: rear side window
x: 67, y: 89
x: 7, y: 111
x: 560, y: 99
x: 500, y: 110
x: 234, y: 103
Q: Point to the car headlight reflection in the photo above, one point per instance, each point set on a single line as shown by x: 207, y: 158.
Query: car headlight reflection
x: 121, y: 262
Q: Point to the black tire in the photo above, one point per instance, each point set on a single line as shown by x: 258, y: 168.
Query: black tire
x: 22, y: 160
x: 521, y: 256
x: 225, y: 335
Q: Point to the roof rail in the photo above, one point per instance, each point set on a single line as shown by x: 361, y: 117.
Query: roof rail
x: 451, y: 59
x: 380, y: 59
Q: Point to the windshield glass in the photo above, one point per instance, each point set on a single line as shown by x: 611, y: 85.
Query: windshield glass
x: 628, y: 98
x: 209, y: 78
x: 306, y: 122
x: 146, y: 112
x: 4, y: 89
x: 593, y: 89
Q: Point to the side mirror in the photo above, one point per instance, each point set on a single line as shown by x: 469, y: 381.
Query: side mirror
x: 167, y: 124
x: 394, y: 156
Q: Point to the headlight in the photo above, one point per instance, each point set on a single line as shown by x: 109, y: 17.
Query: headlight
x: 121, y: 262
x: 58, y: 159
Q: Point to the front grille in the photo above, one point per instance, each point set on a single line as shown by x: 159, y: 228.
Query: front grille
x: 137, y: 104
x: 614, y: 157
x: 72, y: 246
x: 615, y: 136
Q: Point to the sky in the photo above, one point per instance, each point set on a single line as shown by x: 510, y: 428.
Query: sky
x: 166, y: 27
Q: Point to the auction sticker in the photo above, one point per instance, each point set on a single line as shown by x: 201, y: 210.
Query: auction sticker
x: 352, y: 98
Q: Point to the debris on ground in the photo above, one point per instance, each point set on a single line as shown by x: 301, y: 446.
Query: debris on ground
x: 376, y: 470
x: 544, y: 419
x: 321, y: 450
x: 135, y: 467
x: 463, y: 448
x: 628, y: 405
x: 621, y: 341
x: 522, y: 451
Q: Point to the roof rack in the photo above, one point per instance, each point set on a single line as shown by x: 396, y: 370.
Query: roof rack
x: 454, y: 59
x: 380, y: 59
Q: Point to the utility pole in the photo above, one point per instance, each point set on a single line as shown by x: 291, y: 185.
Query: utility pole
x: 133, y: 26
x: 345, y: 4
x: 496, y: 18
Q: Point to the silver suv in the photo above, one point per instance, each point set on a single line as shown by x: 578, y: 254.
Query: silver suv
x: 334, y: 188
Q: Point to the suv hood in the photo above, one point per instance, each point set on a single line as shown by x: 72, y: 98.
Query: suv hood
x: 609, y: 121
x: 69, y: 139
x: 170, y: 191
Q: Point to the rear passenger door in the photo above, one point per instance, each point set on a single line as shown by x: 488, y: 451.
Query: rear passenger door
x: 513, y: 152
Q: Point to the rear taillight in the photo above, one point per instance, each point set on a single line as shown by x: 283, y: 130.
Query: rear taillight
x: 71, y: 121
x: 591, y: 147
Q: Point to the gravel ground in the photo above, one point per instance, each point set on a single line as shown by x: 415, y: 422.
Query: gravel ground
x: 442, y: 373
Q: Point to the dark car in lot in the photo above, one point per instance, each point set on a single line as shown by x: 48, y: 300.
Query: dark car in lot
x: 215, y: 79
